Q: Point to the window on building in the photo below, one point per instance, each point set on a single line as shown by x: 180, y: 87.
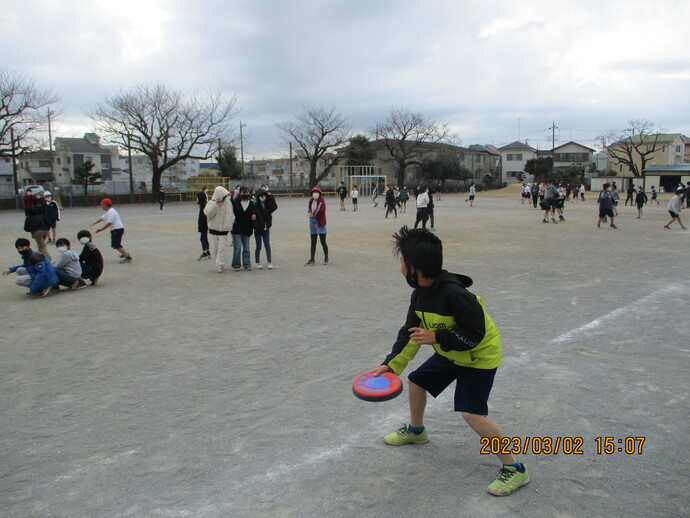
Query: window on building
x: 570, y: 157
x: 105, y: 166
x: 44, y: 163
x: 87, y: 158
x: 678, y: 148
x: 515, y: 156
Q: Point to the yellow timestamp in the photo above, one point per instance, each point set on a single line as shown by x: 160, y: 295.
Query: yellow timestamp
x: 627, y: 445
x: 565, y: 445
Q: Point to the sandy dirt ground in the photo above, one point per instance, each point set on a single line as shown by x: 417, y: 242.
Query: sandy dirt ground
x: 170, y: 390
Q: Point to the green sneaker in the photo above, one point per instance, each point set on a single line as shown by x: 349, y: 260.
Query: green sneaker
x: 405, y: 436
x: 509, y: 480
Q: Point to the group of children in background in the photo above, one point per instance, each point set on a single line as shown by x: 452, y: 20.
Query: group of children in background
x: 241, y: 214
x: 71, y: 270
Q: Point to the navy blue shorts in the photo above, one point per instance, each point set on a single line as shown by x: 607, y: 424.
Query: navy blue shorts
x: 471, y: 390
x: 116, y: 238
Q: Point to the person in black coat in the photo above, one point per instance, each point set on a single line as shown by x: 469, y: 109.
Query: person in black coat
x: 242, y: 229
x: 161, y: 199
x: 264, y: 207
x: 36, y: 224
x: 202, y: 225
x: 391, y: 202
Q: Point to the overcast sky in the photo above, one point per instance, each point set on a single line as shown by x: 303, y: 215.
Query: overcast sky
x: 492, y: 70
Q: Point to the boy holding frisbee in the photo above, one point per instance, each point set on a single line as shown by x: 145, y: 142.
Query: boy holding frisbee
x: 466, y: 343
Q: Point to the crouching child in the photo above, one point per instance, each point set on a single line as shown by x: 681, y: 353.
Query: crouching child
x: 90, y: 258
x: 36, y: 271
x: 67, y: 266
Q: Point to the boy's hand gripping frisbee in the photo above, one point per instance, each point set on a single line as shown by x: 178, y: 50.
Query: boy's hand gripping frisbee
x: 377, y: 388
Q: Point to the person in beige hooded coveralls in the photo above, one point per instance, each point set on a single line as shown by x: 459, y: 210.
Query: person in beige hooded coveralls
x: 220, y: 219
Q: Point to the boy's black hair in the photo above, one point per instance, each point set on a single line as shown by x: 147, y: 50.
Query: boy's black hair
x: 22, y: 241
x: 62, y: 241
x: 419, y: 248
x: 83, y: 233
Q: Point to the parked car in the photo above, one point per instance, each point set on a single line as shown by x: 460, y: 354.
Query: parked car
x: 35, y: 189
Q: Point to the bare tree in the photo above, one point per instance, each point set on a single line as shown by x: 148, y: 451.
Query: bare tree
x: 408, y: 137
x: 634, y: 146
x: 166, y: 125
x: 23, y: 113
x: 317, y: 132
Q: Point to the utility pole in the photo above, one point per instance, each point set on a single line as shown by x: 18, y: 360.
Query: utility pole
x: 242, y: 146
x: 519, y: 128
x: 290, y: 167
x: 14, y: 166
x: 131, y: 177
x: 50, y: 146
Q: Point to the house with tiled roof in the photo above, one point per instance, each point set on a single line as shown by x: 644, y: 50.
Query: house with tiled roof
x: 36, y: 168
x: 514, y: 156
x: 72, y: 152
x: 571, y: 155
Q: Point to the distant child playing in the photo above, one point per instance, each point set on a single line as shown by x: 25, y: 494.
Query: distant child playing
x: 112, y: 220
x: 51, y: 214
x: 640, y: 200
x: 466, y: 344
x: 674, y: 208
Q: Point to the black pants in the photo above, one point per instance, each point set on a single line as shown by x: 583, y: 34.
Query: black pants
x: 322, y: 238
x: 203, y: 237
x: 423, y: 216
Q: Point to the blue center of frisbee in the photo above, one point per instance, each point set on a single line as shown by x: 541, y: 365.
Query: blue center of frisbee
x: 377, y: 383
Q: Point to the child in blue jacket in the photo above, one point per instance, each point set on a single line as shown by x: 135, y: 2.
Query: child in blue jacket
x: 36, y: 272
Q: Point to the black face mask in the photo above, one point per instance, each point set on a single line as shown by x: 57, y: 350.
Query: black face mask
x: 245, y: 196
x: 25, y: 253
x: 411, y: 279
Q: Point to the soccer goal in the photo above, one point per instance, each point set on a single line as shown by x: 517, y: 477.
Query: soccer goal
x: 364, y: 177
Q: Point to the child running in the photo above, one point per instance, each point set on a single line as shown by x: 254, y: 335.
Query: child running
x: 113, y: 221
x: 466, y: 344
x: 674, y: 208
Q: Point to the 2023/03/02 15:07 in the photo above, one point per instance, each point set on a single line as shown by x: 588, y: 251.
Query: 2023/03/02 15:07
x: 559, y: 444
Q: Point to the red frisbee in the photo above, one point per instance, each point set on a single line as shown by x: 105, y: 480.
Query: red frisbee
x: 377, y: 388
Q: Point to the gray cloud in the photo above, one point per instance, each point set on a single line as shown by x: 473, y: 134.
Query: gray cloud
x: 478, y: 67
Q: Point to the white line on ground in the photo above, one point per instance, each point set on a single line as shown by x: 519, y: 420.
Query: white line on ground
x: 311, y: 459
x: 619, y: 312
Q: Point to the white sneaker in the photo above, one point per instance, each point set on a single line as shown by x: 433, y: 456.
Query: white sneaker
x: 259, y: 267
x: 270, y: 266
